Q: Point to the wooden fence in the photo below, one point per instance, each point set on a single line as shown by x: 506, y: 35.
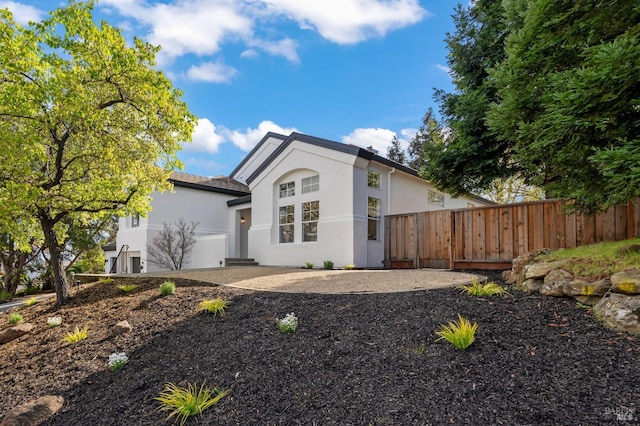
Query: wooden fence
x: 491, y: 237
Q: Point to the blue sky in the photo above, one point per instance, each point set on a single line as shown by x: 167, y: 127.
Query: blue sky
x: 353, y: 71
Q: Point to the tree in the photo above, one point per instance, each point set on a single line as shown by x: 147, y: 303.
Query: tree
x: 172, y: 246
x: 568, y: 99
x: 429, y: 135
x: 87, y: 125
x: 395, y: 151
x: 472, y: 156
x: 512, y: 190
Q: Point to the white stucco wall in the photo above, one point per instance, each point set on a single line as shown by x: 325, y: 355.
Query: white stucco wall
x: 207, y: 208
x: 209, y: 252
x: 258, y: 157
x: 335, y: 225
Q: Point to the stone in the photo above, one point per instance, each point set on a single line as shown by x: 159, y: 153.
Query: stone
x: 14, y: 332
x: 33, y: 412
x: 628, y: 249
x: 122, y: 327
x: 627, y: 282
x: 554, y: 282
x: 532, y: 285
x: 588, y: 300
x: 586, y: 288
x: 540, y: 270
x: 521, y: 261
x: 620, y: 312
x: 508, y: 276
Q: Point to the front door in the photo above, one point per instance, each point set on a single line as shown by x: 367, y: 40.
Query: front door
x: 135, y: 265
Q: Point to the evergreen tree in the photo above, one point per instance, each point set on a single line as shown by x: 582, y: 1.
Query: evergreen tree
x: 395, y: 151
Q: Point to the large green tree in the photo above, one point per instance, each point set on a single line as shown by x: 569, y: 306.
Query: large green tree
x: 88, y: 125
x: 569, y: 98
x: 471, y: 157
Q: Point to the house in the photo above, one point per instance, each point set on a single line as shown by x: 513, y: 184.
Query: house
x: 293, y: 199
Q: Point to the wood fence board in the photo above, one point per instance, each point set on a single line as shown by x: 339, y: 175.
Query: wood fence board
x: 522, y: 230
x: 468, y: 234
x: 492, y: 234
x: 506, y: 237
x: 570, y: 230
x: 620, y: 215
x: 459, y: 232
x: 478, y: 242
x: 536, y: 215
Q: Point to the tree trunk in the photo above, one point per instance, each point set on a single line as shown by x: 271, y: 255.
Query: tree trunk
x: 55, y: 260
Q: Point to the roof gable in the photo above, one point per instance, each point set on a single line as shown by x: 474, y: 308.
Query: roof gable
x: 219, y: 184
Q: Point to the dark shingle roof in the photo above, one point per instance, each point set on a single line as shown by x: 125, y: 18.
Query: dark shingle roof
x: 221, y: 184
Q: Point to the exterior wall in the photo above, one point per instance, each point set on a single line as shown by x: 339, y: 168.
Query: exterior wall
x: 335, y: 195
x: 256, y: 160
x: 209, y: 252
x: 209, y: 209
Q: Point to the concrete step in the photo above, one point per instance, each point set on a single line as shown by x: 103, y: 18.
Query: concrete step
x: 236, y: 261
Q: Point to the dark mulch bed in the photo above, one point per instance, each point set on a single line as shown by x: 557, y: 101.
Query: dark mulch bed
x: 355, y: 360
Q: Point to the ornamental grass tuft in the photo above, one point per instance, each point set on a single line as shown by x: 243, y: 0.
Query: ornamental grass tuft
x: 183, y: 402
x: 213, y: 306
x: 31, y: 301
x: 127, y: 288
x: 328, y: 264
x: 460, y: 334
x: 483, y: 290
x: 15, y: 318
x: 167, y: 288
x: 76, y: 335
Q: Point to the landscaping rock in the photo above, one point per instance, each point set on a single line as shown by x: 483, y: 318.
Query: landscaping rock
x: 14, y: 332
x: 554, y: 282
x: 508, y: 276
x: 620, y: 312
x: 34, y: 412
x: 122, y: 327
x: 585, y: 288
x: 540, y: 270
x: 627, y: 282
x: 588, y: 300
x: 521, y: 261
x: 532, y: 285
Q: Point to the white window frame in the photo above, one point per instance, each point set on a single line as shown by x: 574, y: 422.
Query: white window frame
x: 311, y: 184
x: 374, y: 218
x: 310, y: 217
x: 287, y: 189
x: 135, y: 220
x: 373, y: 179
x: 286, y: 223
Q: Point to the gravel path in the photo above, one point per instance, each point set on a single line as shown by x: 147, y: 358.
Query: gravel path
x: 289, y: 280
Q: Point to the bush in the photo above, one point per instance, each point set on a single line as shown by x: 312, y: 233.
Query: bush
x: 15, y: 319
x: 328, y: 264
x: 214, y: 306
x: 76, y: 335
x: 487, y: 290
x: 31, y: 301
x: 460, y: 334
x: 308, y: 265
x: 5, y: 296
x: 167, y: 288
x: 185, y: 402
x: 127, y: 288
x: 106, y: 280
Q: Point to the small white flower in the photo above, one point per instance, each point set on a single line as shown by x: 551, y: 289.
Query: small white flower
x: 288, y: 324
x: 117, y: 360
x: 54, y: 321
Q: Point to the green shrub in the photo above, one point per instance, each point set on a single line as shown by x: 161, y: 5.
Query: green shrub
x: 5, y: 296
x: 76, y: 335
x: 213, y: 306
x: 15, y: 318
x: 106, y: 280
x: 308, y: 265
x: 127, y: 288
x: 328, y: 264
x: 167, y: 288
x: 460, y: 334
x: 188, y: 401
x: 483, y: 290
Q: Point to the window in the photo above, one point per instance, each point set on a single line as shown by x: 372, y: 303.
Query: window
x: 286, y: 223
x: 435, y: 198
x: 287, y: 189
x: 310, y: 184
x: 310, y: 215
x: 374, y: 214
x: 373, y: 179
x: 135, y: 220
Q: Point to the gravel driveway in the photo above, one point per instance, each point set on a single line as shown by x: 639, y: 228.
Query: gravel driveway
x: 289, y: 280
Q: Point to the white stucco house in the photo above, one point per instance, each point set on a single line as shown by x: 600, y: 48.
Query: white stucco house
x: 293, y: 199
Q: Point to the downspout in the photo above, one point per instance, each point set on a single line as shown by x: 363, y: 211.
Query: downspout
x: 385, y: 262
x: 393, y: 170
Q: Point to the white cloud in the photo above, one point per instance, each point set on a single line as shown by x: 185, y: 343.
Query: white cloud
x: 205, y: 138
x: 285, y: 47
x: 379, y: 139
x: 443, y: 68
x: 249, y: 53
x: 249, y: 138
x: 22, y: 13
x: 212, y: 72
x: 357, y: 20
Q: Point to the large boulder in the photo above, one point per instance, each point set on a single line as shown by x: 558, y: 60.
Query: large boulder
x: 540, y: 270
x: 532, y: 285
x: 554, y: 282
x: 13, y: 333
x: 586, y: 288
x: 620, y: 312
x: 518, y: 264
x: 34, y: 412
x: 627, y: 282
